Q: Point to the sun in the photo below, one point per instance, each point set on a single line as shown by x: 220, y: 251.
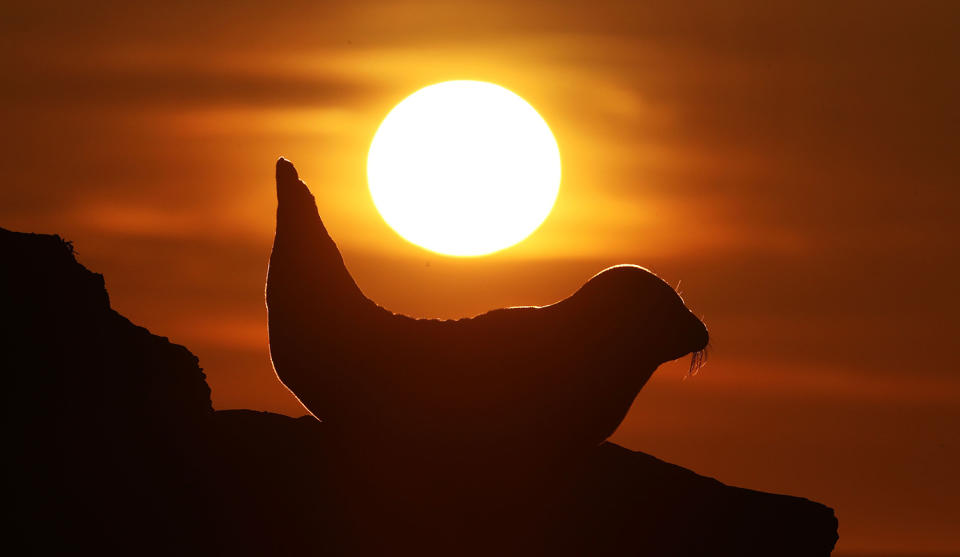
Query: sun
x: 464, y: 168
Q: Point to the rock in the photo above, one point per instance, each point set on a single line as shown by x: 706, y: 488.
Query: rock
x: 101, y: 414
x: 115, y: 450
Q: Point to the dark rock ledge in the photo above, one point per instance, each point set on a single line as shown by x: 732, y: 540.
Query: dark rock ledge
x: 114, y: 449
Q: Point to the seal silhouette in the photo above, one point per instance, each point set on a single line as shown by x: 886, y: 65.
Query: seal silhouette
x: 556, y: 377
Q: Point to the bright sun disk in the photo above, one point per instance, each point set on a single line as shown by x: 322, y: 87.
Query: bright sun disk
x: 464, y: 168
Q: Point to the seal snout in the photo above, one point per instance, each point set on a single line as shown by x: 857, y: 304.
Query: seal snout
x: 700, y: 335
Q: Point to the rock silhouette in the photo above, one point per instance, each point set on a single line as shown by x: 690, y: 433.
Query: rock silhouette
x: 114, y: 449
x: 554, y: 378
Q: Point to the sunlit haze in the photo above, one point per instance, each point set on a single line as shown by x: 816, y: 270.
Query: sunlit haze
x: 790, y: 167
x: 464, y: 168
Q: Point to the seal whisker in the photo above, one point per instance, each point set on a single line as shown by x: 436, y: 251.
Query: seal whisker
x: 698, y: 359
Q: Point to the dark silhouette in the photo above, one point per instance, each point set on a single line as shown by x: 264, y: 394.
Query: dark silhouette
x: 559, y: 377
x: 113, y: 448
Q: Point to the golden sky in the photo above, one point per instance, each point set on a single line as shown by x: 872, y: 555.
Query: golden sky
x: 792, y: 169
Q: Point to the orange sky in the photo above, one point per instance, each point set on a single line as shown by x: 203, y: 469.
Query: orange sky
x: 792, y: 168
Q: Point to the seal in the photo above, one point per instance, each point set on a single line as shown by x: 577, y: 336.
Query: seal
x: 555, y: 377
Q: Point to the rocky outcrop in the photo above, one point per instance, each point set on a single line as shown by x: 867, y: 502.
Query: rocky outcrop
x: 102, y: 415
x: 114, y: 449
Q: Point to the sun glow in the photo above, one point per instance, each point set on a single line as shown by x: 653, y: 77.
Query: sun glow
x: 464, y: 168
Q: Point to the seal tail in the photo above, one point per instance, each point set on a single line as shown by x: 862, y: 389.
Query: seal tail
x: 315, y: 309
x: 305, y: 263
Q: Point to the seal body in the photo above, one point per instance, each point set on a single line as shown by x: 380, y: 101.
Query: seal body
x: 558, y: 377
